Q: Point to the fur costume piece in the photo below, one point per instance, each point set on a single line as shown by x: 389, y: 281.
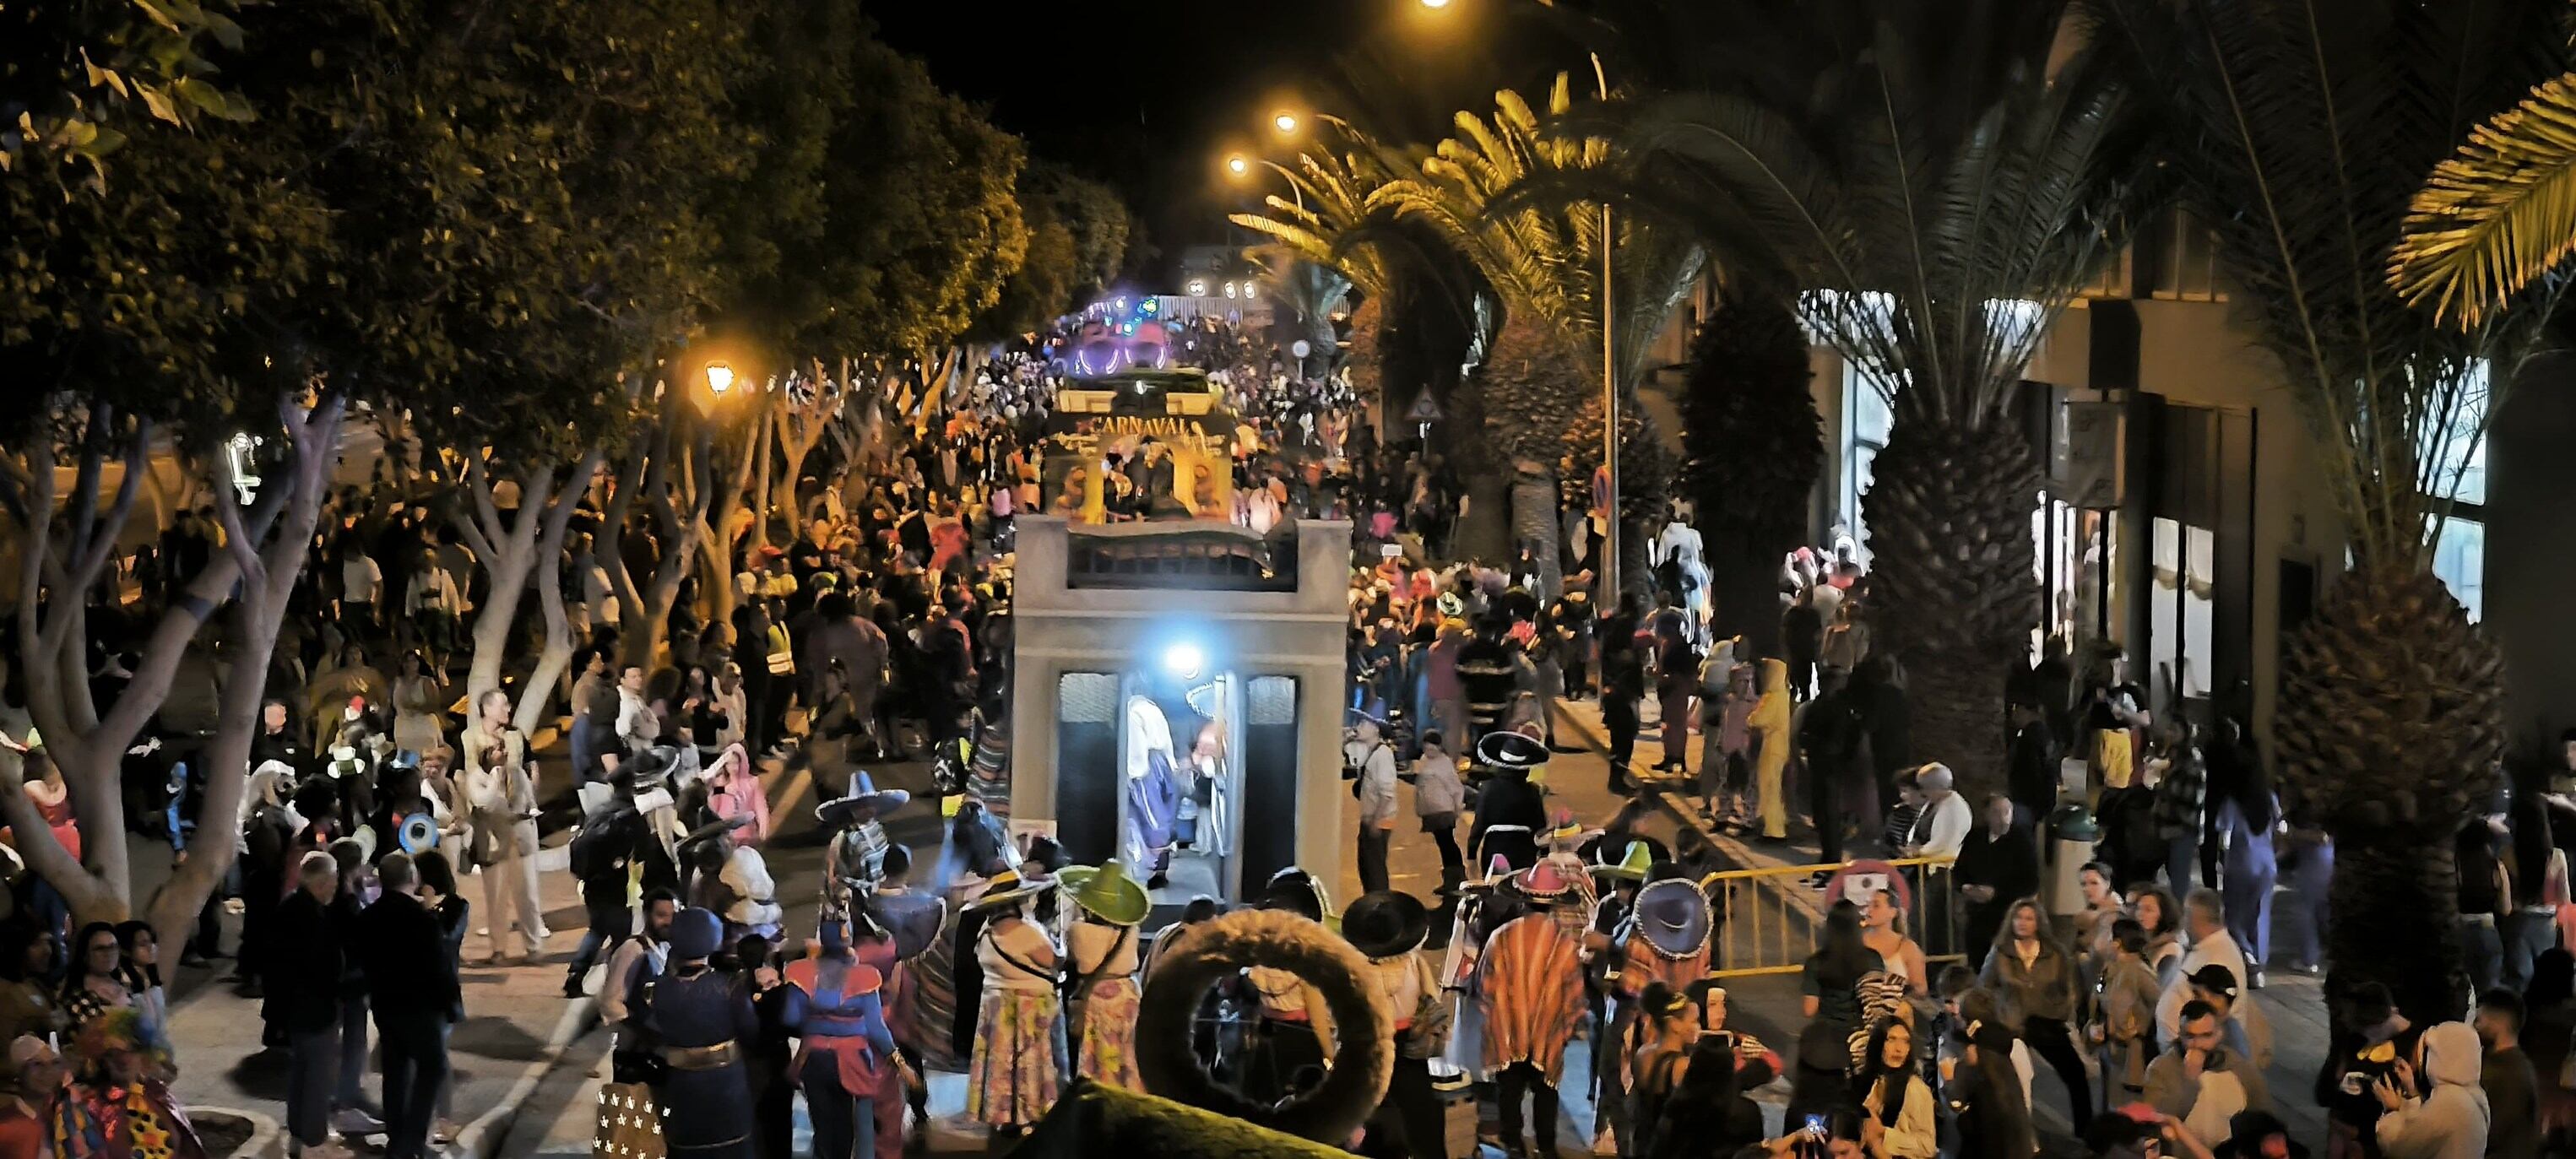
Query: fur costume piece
x: 1093, y: 1119
x: 1364, y: 1050
x: 747, y: 875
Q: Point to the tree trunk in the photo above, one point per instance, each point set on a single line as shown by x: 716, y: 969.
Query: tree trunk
x: 1744, y: 590
x: 1954, y: 594
x: 1486, y: 529
x: 2390, y: 723
x: 1535, y: 523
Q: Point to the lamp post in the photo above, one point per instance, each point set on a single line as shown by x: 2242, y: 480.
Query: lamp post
x: 719, y: 378
x: 1239, y: 166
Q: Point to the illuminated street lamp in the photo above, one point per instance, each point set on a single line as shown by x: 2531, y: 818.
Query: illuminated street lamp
x: 1237, y: 165
x: 1435, y: 3
x: 1285, y: 122
x: 719, y: 378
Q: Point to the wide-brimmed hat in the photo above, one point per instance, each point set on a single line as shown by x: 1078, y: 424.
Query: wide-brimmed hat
x: 1511, y: 750
x: 714, y: 829
x: 1295, y: 890
x: 1672, y: 915
x: 1542, y: 882
x: 648, y: 770
x: 1006, y: 886
x: 863, y: 794
x: 1107, y: 892
x: 1631, y: 866
x: 1385, y: 923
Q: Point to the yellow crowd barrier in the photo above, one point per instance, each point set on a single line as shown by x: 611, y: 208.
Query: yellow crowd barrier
x: 1773, y: 916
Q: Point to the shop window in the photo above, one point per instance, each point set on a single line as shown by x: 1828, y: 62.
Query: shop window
x: 1867, y: 420
x: 2180, y: 605
x: 2455, y: 465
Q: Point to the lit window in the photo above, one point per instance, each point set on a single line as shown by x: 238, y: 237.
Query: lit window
x: 2455, y: 464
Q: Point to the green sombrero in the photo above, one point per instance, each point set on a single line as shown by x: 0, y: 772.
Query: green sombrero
x: 1107, y: 892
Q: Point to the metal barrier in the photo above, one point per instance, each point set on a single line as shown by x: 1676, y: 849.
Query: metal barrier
x: 1772, y: 916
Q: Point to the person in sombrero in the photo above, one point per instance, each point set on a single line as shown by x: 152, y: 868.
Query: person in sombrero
x: 1529, y: 981
x: 846, y: 1051
x: 1386, y: 927
x: 1665, y: 938
x: 1019, y: 1059
x: 1509, y: 802
x: 1102, y: 951
x: 856, y: 854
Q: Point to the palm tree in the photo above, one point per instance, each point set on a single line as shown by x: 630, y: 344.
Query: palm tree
x: 1755, y: 442
x: 1940, y: 188
x: 1311, y: 291
x: 2303, y: 146
x: 2498, y: 214
x: 1483, y: 191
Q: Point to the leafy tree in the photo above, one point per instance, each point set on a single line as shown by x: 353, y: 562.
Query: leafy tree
x: 1077, y: 241
x: 81, y: 79
x: 2304, y: 146
x: 1755, y: 446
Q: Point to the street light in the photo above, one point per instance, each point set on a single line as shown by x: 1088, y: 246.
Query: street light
x: 1285, y: 122
x: 1435, y: 3
x: 719, y: 378
x: 1237, y: 165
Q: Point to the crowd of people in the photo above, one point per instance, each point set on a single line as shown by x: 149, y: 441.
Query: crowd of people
x: 882, y: 624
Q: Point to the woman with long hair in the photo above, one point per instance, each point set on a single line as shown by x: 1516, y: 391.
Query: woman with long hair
x: 2034, y: 978
x: 140, y: 971
x: 1659, y: 1043
x: 1831, y: 982
x: 90, y: 986
x: 2161, y: 917
x: 1707, y: 1112
x: 1899, y: 1116
x: 1986, y: 1095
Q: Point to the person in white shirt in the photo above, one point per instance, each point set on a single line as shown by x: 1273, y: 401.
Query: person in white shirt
x: 1946, y: 819
x: 2204, y: 925
x: 637, y: 724
x: 360, y: 584
x: 1368, y: 752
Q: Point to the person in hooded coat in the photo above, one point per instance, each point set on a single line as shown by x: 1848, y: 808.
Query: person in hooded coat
x: 2451, y: 1121
x: 1769, y: 725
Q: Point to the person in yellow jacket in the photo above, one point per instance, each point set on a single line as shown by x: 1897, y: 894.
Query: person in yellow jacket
x: 1770, y: 728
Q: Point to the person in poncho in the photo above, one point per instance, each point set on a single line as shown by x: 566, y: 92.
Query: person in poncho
x: 1529, y: 981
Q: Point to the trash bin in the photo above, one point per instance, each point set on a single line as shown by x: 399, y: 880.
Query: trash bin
x: 2072, y: 832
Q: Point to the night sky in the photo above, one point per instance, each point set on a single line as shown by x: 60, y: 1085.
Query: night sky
x: 1151, y: 97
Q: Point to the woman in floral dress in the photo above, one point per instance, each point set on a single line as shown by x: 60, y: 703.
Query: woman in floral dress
x: 1103, y: 948
x: 1019, y: 1056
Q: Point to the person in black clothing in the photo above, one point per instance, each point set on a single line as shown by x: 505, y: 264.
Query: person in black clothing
x: 1877, y: 690
x: 1998, y: 866
x: 1802, y: 633
x: 303, y: 996
x: 1509, y: 799
x: 1830, y: 734
x: 1708, y: 1113
x: 1489, y: 669
x: 2031, y: 766
x: 1623, y: 683
x: 279, y: 740
x: 599, y: 854
x: 402, y: 947
x: 770, y: 1054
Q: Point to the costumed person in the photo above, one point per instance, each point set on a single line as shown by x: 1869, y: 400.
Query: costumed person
x: 1386, y: 927
x: 856, y: 857
x: 1153, y: 798
x: 1018, y: 1063
x: 700, y: 1018
x: 1665, y: 938
x: 846, y: 1048
x: 1511, y: 808
x: 1530, y: 982
x: 501, y: 824
x: 1295, y: 1029
x: 119, y: 1107
x: 733, y: 880
x: 734, y: 790
x: 1102, y: 951
x: 1769, y: 727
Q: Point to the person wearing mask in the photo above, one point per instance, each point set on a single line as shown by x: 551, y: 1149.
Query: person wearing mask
x: 1998, y: 865
x: 2450, y: 1118
x: 2506, y: 1077
x: 1899, y: 1117
x: 411, y: 979
x: 302, y: 987
x: 1438, y: 796
x: 2034, y: 978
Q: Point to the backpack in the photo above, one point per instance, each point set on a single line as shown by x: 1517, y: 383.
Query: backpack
x: 595, y: 849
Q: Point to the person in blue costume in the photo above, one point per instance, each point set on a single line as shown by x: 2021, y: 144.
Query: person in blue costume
x: 848, y: 1050
x: 701, y: 1020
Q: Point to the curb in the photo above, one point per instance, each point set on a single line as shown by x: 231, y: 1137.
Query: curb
x: 267, y: 1139
x: 482, y: 1138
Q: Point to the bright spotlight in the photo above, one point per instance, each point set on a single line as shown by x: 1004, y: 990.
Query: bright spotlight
x: 1184, y: 660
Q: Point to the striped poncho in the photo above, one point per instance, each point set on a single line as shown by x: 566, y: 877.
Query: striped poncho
x: 1530, y: 981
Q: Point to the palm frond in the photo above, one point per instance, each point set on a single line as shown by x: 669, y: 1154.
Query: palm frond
x: 2496, y: 216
